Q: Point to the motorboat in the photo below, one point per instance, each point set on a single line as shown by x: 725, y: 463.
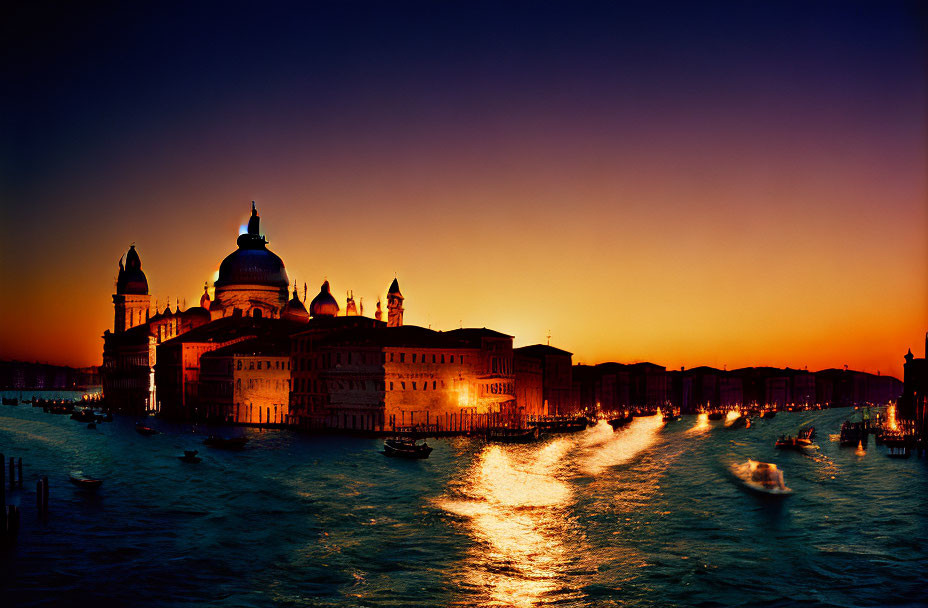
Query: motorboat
x: 807, y: 433
x: 226, y: 443
x: 141, y: 429
x: 83, y: 482
x: 741, y: 421
x: 190, y: 456
x: 617, y: 423
x: 512, y: 435
x: 853, y: 434
x: 761, y: 477
x: 788, y: 442
x: 769, y: 414
x: 715, y: 415
x: 406, y: 447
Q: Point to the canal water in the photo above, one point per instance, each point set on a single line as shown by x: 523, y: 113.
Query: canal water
x: 645, y: 516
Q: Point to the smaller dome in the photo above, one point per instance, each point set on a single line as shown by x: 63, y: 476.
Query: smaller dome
x: 323, y: 305
x: 294, y: 310
x: 131, y: 279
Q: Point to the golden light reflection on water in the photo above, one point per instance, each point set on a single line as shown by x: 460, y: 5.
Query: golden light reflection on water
x: 702, y: 424
x: 620, y: 446
x: 515, y: 504
x: 516, y: 500
x: 731, y: 417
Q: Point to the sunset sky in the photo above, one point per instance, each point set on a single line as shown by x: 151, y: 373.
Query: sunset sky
x: 702, y: 183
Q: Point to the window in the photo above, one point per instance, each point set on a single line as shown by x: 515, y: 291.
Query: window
x: 391, y: 386
x: 251, y: 365
x: 259, y: 365
x: 391, y: 357
x: 402, y: 357
x: 443, y: 357
x: 462, y: 359
x: 433, y: 358
x: 414, y: 357
x: 413, y: 386
x: 403, y: 385
x: 239, y: 365
x: 434, y: 385
x: 452, y: 358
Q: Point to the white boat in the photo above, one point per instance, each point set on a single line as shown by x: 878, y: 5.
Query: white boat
x: 762, y: 477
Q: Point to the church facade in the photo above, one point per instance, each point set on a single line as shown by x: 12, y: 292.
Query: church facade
x: 256, y: 353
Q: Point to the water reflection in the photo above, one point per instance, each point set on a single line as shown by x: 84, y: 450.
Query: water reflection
x: 702, y: 424
x: 619, y: 447
x: 515, y: 504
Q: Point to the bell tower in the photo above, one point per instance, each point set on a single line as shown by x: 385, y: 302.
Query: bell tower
x: 131, y: 301
x: 394, y: 305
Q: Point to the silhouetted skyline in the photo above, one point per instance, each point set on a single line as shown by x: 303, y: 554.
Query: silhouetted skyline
x: 722, y: 185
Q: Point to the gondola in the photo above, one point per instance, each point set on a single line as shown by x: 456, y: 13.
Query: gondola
x: 769, y: 415
x: 84, y: 483
x: 226, y: 443
x: 716, y: 415
x: 508, y: 435
x: 406, y: 447
x: 10, y: 401
x: 190, y: 456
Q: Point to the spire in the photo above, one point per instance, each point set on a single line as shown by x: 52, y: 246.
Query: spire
x: 254, y: 221
x: 304, y: 292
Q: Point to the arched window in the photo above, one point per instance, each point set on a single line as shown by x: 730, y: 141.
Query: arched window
x: 256, y: 313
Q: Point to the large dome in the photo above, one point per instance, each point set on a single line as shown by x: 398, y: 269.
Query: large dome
x: 252, y: 263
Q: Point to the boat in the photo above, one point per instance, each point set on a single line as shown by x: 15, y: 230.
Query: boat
x: 788, y: 442
x: 509, y: 435
x: 853, y: 434
x: 740, y: 421
x: 807, y: 433
x: 10, y: 401
x: 406, y: 447
x: 761, y: 477
x: 84, y: 482
x: 716, y: 415
x: 226, y: 443
x: 672, y: 417
x: 561, y: 424
x: 190, y: 456
x: 769, y: 414
x: 85, y: 415
x: 141, y: 429
x: 617, y: 423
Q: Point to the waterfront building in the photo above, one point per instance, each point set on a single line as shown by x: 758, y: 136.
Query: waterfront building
x: 372, y: 378
x: 247, y: 382
x: 129, y: 351
x: 177, y: 372
x: 913, y: 405
x: 556, y: 378
x: 528, y: 379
